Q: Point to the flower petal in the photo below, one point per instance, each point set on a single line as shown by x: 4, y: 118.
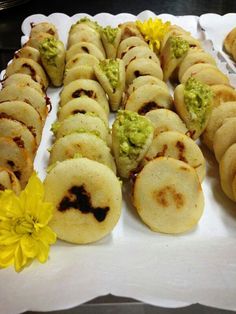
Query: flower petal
x: 20, y: 260
x: 9, y: 205
x: 46, y: 212
x: 43, y: 252
x: 29, y: 246
x: 8, y: 238
x: 35, y: 187
x: 7, y: 255
x: 45, y: 235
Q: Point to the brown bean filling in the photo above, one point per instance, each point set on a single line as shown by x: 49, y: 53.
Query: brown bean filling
x: 181, y: 148
x: 148, y: 107
x: 31, y: 69
x: 51, y: 32
x: 17, y: 174
x: 82, y: 92
x: 85, y: 49
x: 80, y: 199
x: 78, y: 111
x: 19, y: 142
x: 2, y: 187
x: 11, y: 163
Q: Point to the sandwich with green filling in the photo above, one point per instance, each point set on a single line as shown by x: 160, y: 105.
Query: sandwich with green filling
x: 193, y: 102
x: 111, y: 75
x: 52, y: 52
x: 111, y: 39
x: 132, y: 135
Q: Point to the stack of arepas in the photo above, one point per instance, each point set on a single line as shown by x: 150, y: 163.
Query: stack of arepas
x: 24, y: 105
x: 81, y: 180
x: 205, y: 100
x: 152, y: 144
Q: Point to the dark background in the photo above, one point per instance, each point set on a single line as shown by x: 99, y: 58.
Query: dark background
x: 11, y: 19
x: 10, y: 33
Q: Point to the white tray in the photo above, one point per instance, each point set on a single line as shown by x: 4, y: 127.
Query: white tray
x: 216, y: 28
x: 164, y: 270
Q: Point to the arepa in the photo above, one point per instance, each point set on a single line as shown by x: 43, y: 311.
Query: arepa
x: 19, y: 133
x: 79, y: 72
x: 168, y: 196
x: 83, y: 87
x: 83, y: 145
x: 228, y: 171
x: 178, y: 146
x: 82, y: 105
x: 28, y: 53
x: 132, y: 135
x: 8, y: 181
x: 224, y: 137
x: 24, y: 113
x: 111, y: 38
x: 142, y: 66
x: 30, y: 67
x: 82, y: 123
x: 206, y: 73
x: 148, y: 97
x: 144, y: 80
x: 86, y: 48
x: 23, y: 80
x: 129, y: 43
x: 217, y: 117
x: 87, y: 200
x: 111, y: 75
x: 15, y: 158
x: 193, y: 103
x: 166, y: 120
x: 27, y: 95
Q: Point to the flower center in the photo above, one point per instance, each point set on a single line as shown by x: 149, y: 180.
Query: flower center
x: 23, y: 225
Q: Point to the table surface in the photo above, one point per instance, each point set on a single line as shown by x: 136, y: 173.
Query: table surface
x: 10, y: 33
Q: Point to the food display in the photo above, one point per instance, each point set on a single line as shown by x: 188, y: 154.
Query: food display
x: 130, y: 70
x: 230, y: 43
x: 88, y: 204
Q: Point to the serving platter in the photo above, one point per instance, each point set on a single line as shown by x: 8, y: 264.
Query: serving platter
x: 216, y: 27
x: 164, y: 270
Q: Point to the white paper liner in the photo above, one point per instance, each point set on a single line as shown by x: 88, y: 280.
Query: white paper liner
x: 216, y: 28
x: 164, y: 270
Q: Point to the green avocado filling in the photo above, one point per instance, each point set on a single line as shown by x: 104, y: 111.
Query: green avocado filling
x: 179, y: 46
x: 91, y: 23
x: 49, y: 50
x: 132, y: 131
x: 110, y: 33
x: 197, y: 98
x: 110, y: 68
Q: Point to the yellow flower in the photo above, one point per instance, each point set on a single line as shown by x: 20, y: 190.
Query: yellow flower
x: 153, y: 31
x: 24, y: 231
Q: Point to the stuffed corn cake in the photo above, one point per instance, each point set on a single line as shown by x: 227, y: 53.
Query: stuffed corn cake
x: 168, y: 196
x: 87, y: 198
x: 132, y: 135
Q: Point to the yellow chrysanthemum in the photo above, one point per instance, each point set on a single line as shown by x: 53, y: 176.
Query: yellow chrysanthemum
x: 153, y: 31
x: 24, y: 231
